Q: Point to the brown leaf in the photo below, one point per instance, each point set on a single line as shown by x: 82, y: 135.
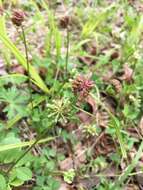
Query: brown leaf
x: 16, y: 68
x: 102, y: 118
x: 105, y: 146
x: 107, y: 76
x: 2, y: 68
x: 66, y: 164
x: 79, y: 155
x: 86, y: 60
x: 131, y: 187
x: 128, y: 73
x: 114, y: 55
x: 42, y: 72
x: 65, y: 186
x: 139, y: 176
x: 91, y: 101
x: 85, y: 117
x: 141, y: 125
x: 90, y: 47
x: 117, y: 85
x: 89, y: 183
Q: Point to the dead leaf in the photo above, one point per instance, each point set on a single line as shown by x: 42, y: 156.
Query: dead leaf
x: 66, y: 164
x: 117, y: 85
x: 65, y: 186
x: 91, y: 48
x: 86, y: 60
x: 114, y: 55
x: 16, y: 68
x: 108, y: 76
x: 102, y: 118
x: 128, y: 73
x: 139, y: 176
x: 131, y: 187
x: 105, y: 146
x: 89, y: 183
x: 141, y: 125
x: 2, y: 68
x: 79, y: 155
x: 85, y: 117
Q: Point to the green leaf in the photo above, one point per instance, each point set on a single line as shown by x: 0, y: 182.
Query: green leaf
x: 95, y: 20
x: 2, y: 183
x: 12, y: 121
x: 23, y: 144
x: 13, y: 78
x: 117, y: 126
x: 22, y: 60
x: 130, y: 167
x: 24, y: 173
x: 16, y: 101
x: 16, y: 182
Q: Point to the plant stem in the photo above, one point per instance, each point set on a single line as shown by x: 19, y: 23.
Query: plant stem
x: 67, y: 52
x: 28, y: 66
x: 28, y: 149
x: 31, y: 102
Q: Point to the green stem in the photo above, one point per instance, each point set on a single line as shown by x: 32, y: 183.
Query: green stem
x: 118, y: 130
x: 28, y: 66
x: 28, y: 149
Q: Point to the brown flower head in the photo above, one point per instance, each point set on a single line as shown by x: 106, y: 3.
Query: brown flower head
x: 82, y: 86
x: 64, y: 21
x: 18, y: 17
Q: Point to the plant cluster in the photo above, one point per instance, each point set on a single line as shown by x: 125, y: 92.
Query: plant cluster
x: 71, y: 95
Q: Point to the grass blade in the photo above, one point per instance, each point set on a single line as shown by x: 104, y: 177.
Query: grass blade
x: 23, y: 144
x: 129, y: 169
x: 34, y: 75
x: 94, y: 21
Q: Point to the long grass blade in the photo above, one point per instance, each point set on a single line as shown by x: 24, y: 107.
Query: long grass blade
x: 130, y: 168
x: 23, y: 144
x: 34, y: 75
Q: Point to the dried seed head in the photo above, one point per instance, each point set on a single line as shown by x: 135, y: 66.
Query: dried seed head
x: 82, y: 86
x: 64, y: 21
x: 18, y: 17
x: 117, y: 85
x: 114, y: 55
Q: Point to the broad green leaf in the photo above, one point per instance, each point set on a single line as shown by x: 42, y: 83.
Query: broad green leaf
x: 23, y: 173
x: 2, y: 183
x: 11, y: 122
x: 17, y: 182
x: 13, y: 78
